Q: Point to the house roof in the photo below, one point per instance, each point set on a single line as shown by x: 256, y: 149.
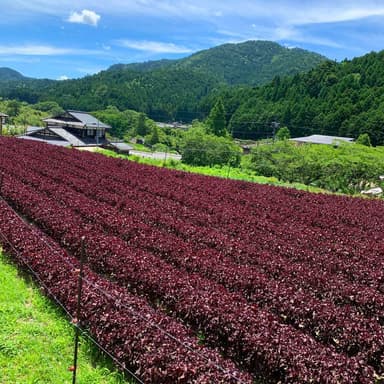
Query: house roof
x: 121, y: 146
x: 321, y: 139
x: 63, y: 122
x: 61, y: 143
x: 32, y: 129
x: 77, y: 119
x: 87, y: 119
x: 3, y: 114
x: 63, y: 137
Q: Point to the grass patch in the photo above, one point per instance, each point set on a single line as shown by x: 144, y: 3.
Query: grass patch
x: 36, y: 339
x: 140, y: 147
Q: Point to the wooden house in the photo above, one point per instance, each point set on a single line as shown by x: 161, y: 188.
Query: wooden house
x: 74, y: 128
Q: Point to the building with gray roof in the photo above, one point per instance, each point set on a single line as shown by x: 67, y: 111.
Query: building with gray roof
x: 72, y: 128
x: 322, y: 139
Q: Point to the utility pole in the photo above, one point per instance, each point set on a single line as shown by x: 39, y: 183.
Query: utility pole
x: 275, y: 126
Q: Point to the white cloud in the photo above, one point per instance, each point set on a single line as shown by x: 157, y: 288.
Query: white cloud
x: 153, y: 46
x: 33, y: 50
x: 331, y: 14
x: 43, y: 50
x: 288, y: 10
x: 63, y: 77
x: 218, y: 21
x: 84, y: 17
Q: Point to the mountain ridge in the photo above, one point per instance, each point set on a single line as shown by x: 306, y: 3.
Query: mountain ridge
x: 168, y: 89
x: 9, y: 74
x: 231, y: 58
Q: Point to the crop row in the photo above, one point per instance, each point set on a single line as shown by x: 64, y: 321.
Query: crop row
x: 273, y: 263
x: 328, y: 282
x: 252, y: 336
x: 342, y: 327
x: 314, y: 210
x: 348, y: 252
x: 123, y: 323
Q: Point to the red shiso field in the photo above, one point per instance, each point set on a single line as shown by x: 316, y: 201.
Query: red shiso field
x: 194, y: 279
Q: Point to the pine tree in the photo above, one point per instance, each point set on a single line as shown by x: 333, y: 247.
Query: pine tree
x: 154, y: 139
x: 364, y: 139
x: 283, y: 134
x: 216, y: 120
x: 141, y: 128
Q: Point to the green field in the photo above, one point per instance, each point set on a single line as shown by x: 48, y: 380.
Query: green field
x: 36, y: 339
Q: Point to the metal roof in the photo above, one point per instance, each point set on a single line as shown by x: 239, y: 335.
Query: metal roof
x: 66, y: 123
x: 3, y: 114
x: 61, y: 143
x: 87, y: 119
x: 321, y: 139
x: 77, y: 119
x: 31, y: 129
x: 121, y: 146
x: 73, y: 140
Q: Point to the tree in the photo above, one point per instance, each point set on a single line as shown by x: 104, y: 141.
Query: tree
x: 154, y: 138
x: 13, y: 108
x: 51, y: 107
x: 141, y: 128
x: 283, y: 134
x: 216, y: 120
x: 200, y: 148
x: 364, y: 139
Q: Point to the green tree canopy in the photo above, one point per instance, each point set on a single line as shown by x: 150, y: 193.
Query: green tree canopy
x: 154, y: 137
x: 343, y: 168
x: 200, y: 148
x: 216, y: 121
x: 283, y: 134
x: 364, y: 139
x: 141, y: 128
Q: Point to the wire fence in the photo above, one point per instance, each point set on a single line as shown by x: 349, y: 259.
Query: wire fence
x: 74, y: 321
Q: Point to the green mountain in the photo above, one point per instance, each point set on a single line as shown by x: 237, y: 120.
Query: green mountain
x: 8, y: 74
x: 342, y: 99
x: 250, y: 63
x: 168, y: 89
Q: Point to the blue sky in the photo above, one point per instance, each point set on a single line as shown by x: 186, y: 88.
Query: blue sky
x: 71, y: 39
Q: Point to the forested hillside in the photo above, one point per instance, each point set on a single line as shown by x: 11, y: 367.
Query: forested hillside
x: 248, y: 63
x: 167, y: 89
x: 344, y: 99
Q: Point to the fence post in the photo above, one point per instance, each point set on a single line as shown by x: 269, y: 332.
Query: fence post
x: 76, y: 320
x: 229, y: 169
